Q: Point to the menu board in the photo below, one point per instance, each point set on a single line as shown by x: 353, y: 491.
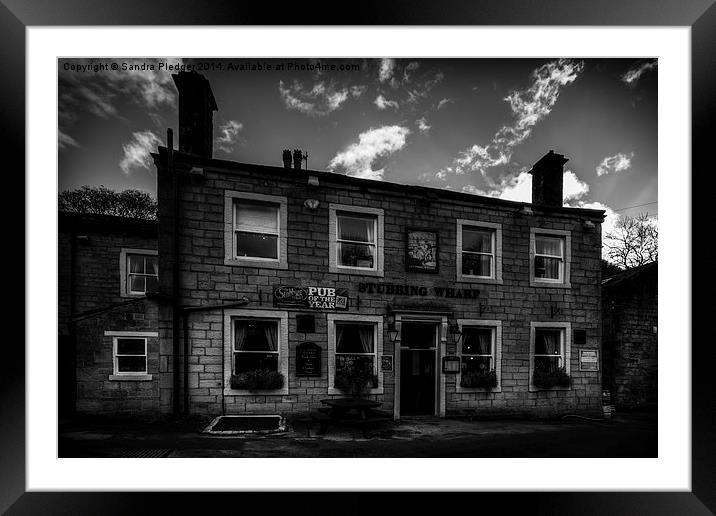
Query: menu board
x: 308, y: 360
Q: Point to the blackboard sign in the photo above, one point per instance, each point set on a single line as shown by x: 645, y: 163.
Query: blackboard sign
x: 386, y: 363
x: 588, y: 360
x: 308, y: 360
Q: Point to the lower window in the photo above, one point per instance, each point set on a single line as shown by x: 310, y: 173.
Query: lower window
x: 355, y: 347
x: 255, y: 346
x: 130, y: 355
x: 477, y: 360
x: 549, y: 350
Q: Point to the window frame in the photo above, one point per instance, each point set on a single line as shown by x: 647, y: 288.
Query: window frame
x: 124, y: 254
x: 128, y: 376
x: 566, y: 237
x: 377, y: 322
x: 234, y: 351
x: 496, y: 233
x: 496, y: 326
x: 565, y: 348
x: 231, y: 200
x: 231, y: 315
x: 333, y: 239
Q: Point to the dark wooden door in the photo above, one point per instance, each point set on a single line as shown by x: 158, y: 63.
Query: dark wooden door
x: 417, y: 369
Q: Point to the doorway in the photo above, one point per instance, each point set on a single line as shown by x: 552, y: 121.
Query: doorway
x: 418, y: 381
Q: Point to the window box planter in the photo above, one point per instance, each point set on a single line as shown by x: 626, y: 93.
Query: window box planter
x: 549, y: 379
x: 258, y: 380
x: 355, y: 382
x: 479, y: 380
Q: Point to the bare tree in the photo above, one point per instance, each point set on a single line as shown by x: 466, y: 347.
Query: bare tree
x: 633, y: 242
x: 100, y: 200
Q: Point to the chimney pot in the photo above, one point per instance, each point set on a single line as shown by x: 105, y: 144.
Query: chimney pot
x: 547, y: 179
x: 297, y: 159
x: 196, y: 114
x: 286, y: 158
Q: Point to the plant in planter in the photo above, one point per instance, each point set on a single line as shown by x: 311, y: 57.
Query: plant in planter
x: 257, y: 380
x: 355, y: 381
x: 482, y: 380
x: 548, y: 379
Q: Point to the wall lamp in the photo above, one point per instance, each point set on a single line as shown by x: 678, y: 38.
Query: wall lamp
x: 454, y: 331
x: 392, y: 330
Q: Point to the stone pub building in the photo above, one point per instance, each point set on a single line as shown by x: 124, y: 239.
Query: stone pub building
x: 278, y: 285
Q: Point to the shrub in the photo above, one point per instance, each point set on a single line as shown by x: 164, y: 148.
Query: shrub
x: 260, y: 379
x: 548, y: 379
x: 355, y: 381
x: 483, y: 380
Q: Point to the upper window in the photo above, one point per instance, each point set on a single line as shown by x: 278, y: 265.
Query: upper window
x: 479, y: 251
x: 550, y: 257
x: 139, y: 272
x: 255, y: 230
x: 356, y: 243
x: 357, y: 240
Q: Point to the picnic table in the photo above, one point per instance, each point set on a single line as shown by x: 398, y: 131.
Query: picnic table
x: 358, y: 412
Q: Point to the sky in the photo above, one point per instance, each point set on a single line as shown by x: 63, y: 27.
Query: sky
x: 470, y: 125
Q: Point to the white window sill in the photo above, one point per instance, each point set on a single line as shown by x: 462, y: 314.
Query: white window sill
x: 468, y: 390
x: 228, y: 391
x: 259, y: 264
x: 478, y: 279
x: 356, y: 270
x: 333, y: 390
x: 130, y: 377
x: 533, y: 388
x: 548, y: 284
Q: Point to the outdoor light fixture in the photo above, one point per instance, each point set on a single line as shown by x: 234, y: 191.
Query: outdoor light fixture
x: 311, y: 204
x: 392, y: 330
x: 313, y: 181
x: 393, y: 334
x: 454, y: 330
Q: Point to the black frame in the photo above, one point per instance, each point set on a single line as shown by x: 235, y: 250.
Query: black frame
x: 699, y: 15
x: 410, y: 268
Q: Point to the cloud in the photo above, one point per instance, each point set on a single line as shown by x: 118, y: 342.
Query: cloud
x: 410, y: 68
x: 383, y: 103
x: 422, y: 124
x: 358, y: 158
x: 386, y: 69
x: 136, y: 152
x: 632, y: 76
x: 64, y: 141
x: 229, y: 135
x: 445, y: 102
x: 617, y: 163
x: 519, y: 188
x: 529, y: 106
x: 321, y: 100
x: 423, y: 88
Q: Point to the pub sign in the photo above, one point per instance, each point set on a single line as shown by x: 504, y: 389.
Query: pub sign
x: 317, y: 298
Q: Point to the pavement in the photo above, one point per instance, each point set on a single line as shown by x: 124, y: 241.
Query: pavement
x: 624, y: 435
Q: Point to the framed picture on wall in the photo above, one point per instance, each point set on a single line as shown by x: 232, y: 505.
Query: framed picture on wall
x: 421, y: 250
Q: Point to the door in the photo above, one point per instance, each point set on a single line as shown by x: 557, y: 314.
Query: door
x: 417, y: 368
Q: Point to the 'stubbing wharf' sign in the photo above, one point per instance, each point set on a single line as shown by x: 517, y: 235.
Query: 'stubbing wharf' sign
x: 393, y: 289
x: 319, y: 298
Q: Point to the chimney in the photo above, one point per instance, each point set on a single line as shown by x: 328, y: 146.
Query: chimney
x: 547, y: 182
x: 297, y: 159
x: 286, y: 158
x: 196, y: 114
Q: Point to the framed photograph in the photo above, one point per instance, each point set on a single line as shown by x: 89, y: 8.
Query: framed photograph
x: 36, y: 38
x: 421, y: 250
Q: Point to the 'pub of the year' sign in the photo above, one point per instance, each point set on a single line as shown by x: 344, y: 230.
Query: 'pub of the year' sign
x: 326, y: 298
x: 308, y: 360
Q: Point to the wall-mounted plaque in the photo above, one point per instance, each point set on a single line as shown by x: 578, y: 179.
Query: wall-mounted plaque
x: 421, y: 251
x: 308, y: 360
x: 451, y: 365
x: 319, y: 298
x: 588, y: 360
x: 386, y: 363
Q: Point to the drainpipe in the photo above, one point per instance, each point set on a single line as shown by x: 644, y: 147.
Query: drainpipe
x: 176, y: 312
